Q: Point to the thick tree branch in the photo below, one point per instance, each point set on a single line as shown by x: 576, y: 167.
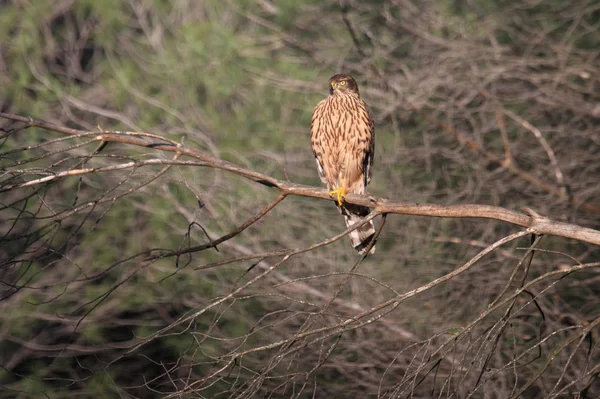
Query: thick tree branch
x: 533, y: 221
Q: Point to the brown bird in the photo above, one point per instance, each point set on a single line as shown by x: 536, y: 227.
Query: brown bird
x: 343, y: 142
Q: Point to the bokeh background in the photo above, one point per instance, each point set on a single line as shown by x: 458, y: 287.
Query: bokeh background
x: 475, y: 101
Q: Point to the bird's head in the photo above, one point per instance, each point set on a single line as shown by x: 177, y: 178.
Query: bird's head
x: 342, y: 84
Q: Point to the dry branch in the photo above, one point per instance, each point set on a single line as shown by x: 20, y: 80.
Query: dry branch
x: 536, y: 223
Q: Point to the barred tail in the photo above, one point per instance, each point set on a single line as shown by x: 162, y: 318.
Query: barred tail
x: 360, y: 237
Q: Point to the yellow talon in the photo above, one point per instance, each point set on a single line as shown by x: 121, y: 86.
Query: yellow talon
x: 340, y: 193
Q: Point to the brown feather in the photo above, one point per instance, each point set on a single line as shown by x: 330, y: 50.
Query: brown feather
x: 342, y: 139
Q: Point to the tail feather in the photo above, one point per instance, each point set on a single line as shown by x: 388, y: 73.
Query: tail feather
x: 361, y: 236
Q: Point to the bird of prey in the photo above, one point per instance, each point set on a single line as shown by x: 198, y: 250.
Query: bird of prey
x: 343, y: 142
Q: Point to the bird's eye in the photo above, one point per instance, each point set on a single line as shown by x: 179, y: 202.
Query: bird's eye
x: 343, y: 83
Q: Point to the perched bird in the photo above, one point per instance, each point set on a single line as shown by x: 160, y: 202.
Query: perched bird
x: 342, y: 135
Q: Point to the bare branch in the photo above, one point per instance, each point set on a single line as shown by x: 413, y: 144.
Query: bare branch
x: 539, y: 225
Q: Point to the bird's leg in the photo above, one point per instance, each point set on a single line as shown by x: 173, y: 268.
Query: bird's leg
x: 340, y: 193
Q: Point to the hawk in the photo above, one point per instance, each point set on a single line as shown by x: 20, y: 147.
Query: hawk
x: 342, y: 135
